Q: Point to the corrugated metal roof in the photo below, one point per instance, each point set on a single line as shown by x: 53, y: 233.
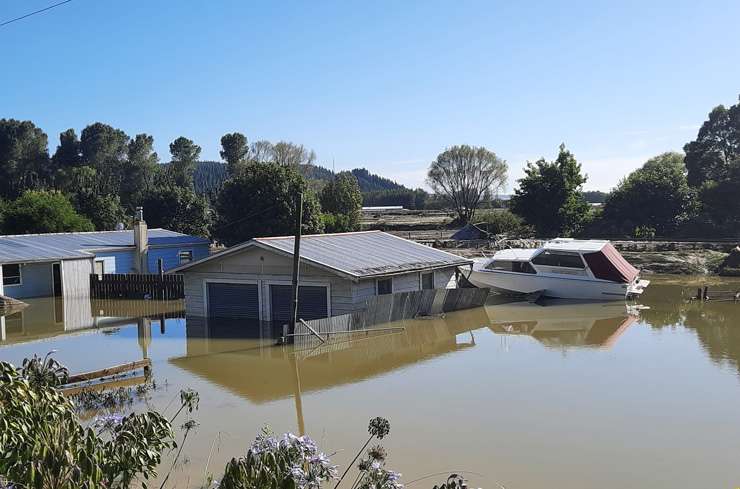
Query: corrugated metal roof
x: 59, y: 246
x: 358, y: 255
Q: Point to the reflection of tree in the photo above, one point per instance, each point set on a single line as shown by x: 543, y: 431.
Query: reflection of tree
x: 714, y: 324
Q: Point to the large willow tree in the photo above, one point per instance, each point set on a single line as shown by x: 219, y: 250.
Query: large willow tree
x: 464, y: 174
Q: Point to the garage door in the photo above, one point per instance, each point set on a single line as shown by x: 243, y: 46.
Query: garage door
x: 233, y: 301
x: 312, y: 302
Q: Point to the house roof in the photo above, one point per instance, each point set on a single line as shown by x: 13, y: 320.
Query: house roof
x: 353, y: 255
x: 25, y: 248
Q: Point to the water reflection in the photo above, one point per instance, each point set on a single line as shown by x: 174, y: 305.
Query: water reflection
x: 563, y: 324
x: 223, y: 359
x: 46, y: 317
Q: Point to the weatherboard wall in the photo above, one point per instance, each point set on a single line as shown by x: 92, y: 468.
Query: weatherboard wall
x: 36, y: 281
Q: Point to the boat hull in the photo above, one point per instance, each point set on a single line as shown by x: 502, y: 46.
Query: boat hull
x: 554, y: 286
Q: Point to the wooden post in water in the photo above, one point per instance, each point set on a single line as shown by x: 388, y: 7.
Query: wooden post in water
x: 296, y: 262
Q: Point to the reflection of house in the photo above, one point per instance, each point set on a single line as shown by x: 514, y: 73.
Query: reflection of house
x: 272, y: 370
x: 44, y: 265
x: 46, y: 317
x: 339, y: 272
x: 562, y: 323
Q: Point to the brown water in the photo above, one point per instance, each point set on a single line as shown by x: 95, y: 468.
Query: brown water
x: 522, y: 395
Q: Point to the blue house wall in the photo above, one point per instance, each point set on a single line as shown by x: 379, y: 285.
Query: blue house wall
x: 123, y: 261
x: 36, y: 281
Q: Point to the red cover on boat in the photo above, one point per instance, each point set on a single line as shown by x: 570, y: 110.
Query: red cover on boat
x: 609, y: 264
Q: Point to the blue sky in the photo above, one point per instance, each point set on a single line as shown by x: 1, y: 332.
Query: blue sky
x: 385, y: 85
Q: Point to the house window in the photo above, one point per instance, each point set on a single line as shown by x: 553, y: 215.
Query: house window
x: 427, y: 281
x: 185, y: 256
x: 99, y: 268
x: 384, y: 286
x: 12, y: 274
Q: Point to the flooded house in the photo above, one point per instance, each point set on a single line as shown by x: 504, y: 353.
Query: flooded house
x: 338, y: 273
x: 60, y: 264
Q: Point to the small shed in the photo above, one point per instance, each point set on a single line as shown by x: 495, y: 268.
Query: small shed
x: 338, y: 273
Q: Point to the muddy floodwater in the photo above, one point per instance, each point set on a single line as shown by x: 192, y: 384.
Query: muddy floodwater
x: 519, y: 395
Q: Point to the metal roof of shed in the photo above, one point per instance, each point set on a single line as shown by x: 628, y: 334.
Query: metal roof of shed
x: 26, y: 248
x: 355, y: 255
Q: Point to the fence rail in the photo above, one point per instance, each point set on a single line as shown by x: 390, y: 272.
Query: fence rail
x: 137, y: 286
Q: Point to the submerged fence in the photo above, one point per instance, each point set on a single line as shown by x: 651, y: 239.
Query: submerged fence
x: 394, y: 307
x: 137, y: 286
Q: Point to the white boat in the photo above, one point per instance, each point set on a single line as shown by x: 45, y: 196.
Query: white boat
x: 563, y: 268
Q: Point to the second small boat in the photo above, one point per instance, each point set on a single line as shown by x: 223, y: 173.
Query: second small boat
x: 563, y: 268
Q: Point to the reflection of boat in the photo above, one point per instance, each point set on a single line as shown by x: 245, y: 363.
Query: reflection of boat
x: 563, y: 323
x: 562, y: 268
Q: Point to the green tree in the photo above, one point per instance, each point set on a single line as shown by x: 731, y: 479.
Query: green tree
x: 463, y: 174
x: 549, y: 197
x: 185, y: 154
x: 234, y: 151
x: 177, y: 208
x: 24, y: 157
x: 716, y: 146
x: 657, y: 196
x: 105, y: 149
x: 105, y: 211
x: 261, y: 202
x: 341, y: 197
x: 721, y: 201
x: 40, y: 211
x: 141, y: 165
x: 67, y: 154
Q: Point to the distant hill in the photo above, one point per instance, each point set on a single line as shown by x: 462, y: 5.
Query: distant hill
x: 209, y: 176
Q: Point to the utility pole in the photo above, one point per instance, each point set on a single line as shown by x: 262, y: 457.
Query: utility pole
x: 296, y: 262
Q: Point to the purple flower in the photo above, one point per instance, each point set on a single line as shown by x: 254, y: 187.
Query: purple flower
x: 109, y: 421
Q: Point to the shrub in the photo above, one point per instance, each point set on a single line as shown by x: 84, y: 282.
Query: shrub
x: 499, y: 221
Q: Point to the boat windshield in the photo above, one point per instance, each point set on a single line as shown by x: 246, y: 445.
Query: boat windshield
x: 559, y: 259
x: 511, y: 266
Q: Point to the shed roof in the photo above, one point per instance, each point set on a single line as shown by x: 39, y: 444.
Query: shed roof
x: 24, y: 248
x: 354, y: 255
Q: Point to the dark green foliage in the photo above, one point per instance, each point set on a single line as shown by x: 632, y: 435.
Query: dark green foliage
x: 655, y: 196
x: 341, y: 197
x: 595, y: 196
x: 68, y: 153
x: 105, y: 211
x: 139, y: 170
x: 501, y: 221
x: 549, y: 196
x: 24, y: 157
x: 185, y: 154
x: 409, y: 199
x: 315, y: 172
x: 50, y: 448
x: 44, y: 372
x: 369, y: 182
x: 261, y: 202
x: 464, y: 174
x: 716, y: 146
x: 178, y: 209
x: 721, y: 199
x: 39, y: 211
x: 105, y: 149
x: 234, y: 152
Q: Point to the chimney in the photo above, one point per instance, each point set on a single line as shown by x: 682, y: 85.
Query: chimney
x: 141, y: 241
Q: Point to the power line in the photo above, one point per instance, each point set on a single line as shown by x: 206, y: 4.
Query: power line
x: 34, y: 13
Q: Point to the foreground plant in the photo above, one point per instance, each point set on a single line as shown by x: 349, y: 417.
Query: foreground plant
x: 44, y: 445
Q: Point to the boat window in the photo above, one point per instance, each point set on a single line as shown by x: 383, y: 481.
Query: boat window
x: 559, y: 259
x: 511, y: 266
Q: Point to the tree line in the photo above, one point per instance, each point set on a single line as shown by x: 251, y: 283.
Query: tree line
x: 689, y: 195
x: 96, y: 181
